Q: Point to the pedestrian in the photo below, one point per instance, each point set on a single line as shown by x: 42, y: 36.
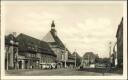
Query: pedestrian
x: 103, y: 70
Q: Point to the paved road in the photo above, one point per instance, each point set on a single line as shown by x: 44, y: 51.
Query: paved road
x: 54, y: 72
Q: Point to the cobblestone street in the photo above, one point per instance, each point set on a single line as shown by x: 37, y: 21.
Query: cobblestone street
x: 55, y: 72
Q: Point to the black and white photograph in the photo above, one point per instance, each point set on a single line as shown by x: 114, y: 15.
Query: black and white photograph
x: 63, y: 39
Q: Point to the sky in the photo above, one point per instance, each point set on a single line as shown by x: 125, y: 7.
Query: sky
x: 86, y: 27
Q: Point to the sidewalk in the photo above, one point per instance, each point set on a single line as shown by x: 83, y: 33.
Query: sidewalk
x: 31, y: 70
x: 57, y: 72
x: 102, y: 70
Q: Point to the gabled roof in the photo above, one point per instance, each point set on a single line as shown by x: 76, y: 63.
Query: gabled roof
x: 30, y: 44
x: 60, y: 43
x: 76, y: 54
x: 53, y: 39
x: 48, y: 38
x: 90, y: 55
x: 57, y: 39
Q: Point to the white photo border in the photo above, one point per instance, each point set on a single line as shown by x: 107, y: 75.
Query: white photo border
x: 124, y: 76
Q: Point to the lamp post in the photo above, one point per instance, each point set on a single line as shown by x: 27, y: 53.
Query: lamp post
x: 12, y: 54
x: 14, y: 50
x: 75, y: 58
x: 115, y: 54
x: 7, y: 53
x: 110, y: 54
x: 110, y: 49
x: 65, y: 56
x: 16, y: 56
x: 7, y: 56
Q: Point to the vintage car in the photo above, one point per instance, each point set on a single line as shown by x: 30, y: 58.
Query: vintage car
x: 48, y: 65
x: 53, y: 65
x: 45, y: 66
x: 100, y: 66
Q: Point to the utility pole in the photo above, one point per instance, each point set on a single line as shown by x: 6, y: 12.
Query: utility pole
x: 13, y: 42
x: 110, y: 49
x: 15, y: 54
x: 115, y: 54
x: 12, y: 54
x: 65, y: 56
x: 75, y: 58
x: 110, y: 53
x: 7, y: 56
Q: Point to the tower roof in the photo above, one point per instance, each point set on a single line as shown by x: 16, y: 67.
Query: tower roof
x: 55, y: 40
x: 53, y: 24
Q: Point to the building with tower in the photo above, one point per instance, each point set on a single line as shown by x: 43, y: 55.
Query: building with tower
x: 64, y: 57
x: 26, y: 52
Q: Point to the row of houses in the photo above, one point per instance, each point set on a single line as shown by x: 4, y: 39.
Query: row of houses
x: 25, y: 52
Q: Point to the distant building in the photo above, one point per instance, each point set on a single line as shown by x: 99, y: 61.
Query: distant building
x: 77, y: 58
x: 88, y: 59
x: 63, y: 54
x: 119, y: 36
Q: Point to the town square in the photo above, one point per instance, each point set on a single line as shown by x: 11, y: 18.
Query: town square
x: 42, y: 57
x: 63, y: 39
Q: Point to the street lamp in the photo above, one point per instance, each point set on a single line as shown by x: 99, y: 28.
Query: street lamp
x: 75, y: 58
x: 14, y: 50
x: 110, y: 54
x: 12, y: 54
x: 110, y: 49
x: 16, y: 56
x: 65, y: 51
x: 11, y: 42
x: 65, y: 59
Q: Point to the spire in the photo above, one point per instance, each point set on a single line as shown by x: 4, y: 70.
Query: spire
x: 53, y: 25
x: 53, y: 28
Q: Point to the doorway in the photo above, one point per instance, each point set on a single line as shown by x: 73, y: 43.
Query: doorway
x: 20, y: 64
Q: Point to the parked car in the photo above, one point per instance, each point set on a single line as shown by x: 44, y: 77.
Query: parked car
x: 100, y: 65
x: 92, y: 65
x: 45, y: 66
x: 48, y: 65
x: 53, y: 65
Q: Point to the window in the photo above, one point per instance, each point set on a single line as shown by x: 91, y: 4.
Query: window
x: 62, y: 57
